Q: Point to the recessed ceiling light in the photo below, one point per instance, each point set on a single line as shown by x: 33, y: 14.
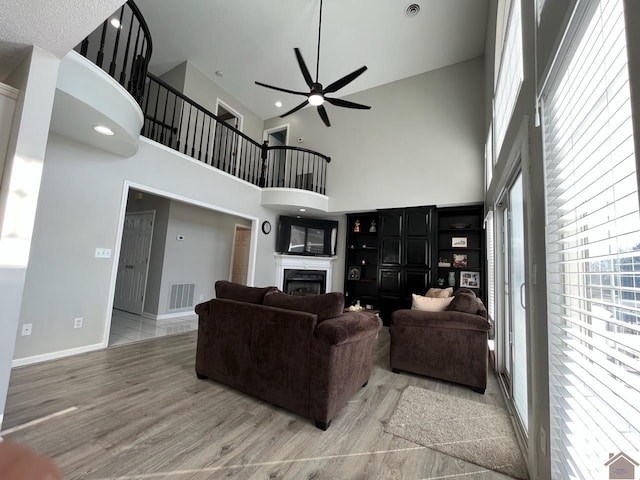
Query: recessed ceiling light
x: 303, y: 209
x: 278, y: 104
x: 115, y: 23
x: 219, y: 73
x: 412, y: 10
x: 101, y: 129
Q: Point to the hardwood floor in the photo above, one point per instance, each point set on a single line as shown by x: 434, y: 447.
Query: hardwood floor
x: 139, y: 412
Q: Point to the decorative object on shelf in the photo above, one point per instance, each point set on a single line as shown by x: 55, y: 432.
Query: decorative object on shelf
x: 444, y: 262
x: 352, y: 246
x: 373, y: 228
x: 452, y: 279
x: 459, y: 242
x: 356, y: 226
x: 356, y: 308
x: 460, y: 226
x: 354, y: 273
x: 363, y: 262
x: 459, y: 260
x: 266, y: 227
x: 441, y: 282
x: 470, y: 279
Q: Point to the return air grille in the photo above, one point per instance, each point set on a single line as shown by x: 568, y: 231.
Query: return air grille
x: 181, y: 296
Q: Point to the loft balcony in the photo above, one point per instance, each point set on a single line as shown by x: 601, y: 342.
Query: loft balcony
x: 122, y: 47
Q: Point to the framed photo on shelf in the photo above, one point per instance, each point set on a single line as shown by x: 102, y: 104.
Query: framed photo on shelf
x: 354, y: 273
x: 470, y: 279
x: 459, y: 242
x: 459, y: 260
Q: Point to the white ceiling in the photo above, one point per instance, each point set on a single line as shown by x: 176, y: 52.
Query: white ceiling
x: 252, y: 40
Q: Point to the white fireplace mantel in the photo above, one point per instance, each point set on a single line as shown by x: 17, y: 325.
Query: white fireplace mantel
x: 302, y: 262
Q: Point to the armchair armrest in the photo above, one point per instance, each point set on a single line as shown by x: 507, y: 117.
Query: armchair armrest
x: 348, y: 327
x: 203, y: 308
x: 447, y: 319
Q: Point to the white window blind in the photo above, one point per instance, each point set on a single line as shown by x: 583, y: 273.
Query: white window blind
x: 491, y: 277
x: 509, y: 78
x: 593, y: 247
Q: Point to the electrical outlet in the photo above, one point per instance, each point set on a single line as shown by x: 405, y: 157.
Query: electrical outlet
x: 543, y: 441
x: 201, y: 297
x: 26, y: 329
x: 77, y: 322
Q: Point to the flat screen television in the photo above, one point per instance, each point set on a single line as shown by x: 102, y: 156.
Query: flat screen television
x: 306, y: 236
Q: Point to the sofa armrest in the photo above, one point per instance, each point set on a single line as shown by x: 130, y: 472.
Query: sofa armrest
x: 203, y: 308
x: 446, y: 319
x: 348, y: 327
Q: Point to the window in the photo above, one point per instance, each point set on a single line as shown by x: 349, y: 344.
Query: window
x: 510, y: 76
x: 540, y: 5
x: 593, y: 246
x: 488, y: 159
x: 491, y: 276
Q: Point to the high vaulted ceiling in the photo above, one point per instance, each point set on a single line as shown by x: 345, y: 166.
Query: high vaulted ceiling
x: 252, y: 40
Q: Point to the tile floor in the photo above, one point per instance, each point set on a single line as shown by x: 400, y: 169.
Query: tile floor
x: 128, y: 328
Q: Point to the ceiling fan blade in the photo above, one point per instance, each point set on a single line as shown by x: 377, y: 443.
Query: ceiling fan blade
x: 338, y: 84
x: 338, y: 102
x: 303, y: 68
x: 323, y: 115
x: 281, y: 89
x: 294, y: 109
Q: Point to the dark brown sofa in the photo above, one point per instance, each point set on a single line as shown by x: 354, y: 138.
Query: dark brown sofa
x: 299, y: 353
x: 449, y: 345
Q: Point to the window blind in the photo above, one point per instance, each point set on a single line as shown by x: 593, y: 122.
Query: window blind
x: 488, y: 159
x: 491, y: 283
x: 593, y: 247
x: 509, y: 78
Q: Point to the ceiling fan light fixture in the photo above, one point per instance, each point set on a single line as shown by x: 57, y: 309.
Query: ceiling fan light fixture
x: 316, y: 99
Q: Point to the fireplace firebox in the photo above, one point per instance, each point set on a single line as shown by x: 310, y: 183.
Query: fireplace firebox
x: 304, y: 282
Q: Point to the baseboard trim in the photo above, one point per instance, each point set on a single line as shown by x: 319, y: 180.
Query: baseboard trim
x: 166, y: 316
x: 45, y: 357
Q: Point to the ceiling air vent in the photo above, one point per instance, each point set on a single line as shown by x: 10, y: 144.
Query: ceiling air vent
x: 412, y: 10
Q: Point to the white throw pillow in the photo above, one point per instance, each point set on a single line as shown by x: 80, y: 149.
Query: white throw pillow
x: 439, y: 292
x: 429, y: 304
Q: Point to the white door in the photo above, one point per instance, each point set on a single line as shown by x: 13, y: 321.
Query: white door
x: 240, y: 261
x: 133, y: 264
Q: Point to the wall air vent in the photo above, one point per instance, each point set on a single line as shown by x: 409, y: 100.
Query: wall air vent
x: 412, y: 10
x: 181, y: 296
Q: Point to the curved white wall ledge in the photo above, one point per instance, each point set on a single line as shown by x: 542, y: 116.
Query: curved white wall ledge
x: 87, y: 96
x: 290, y: 198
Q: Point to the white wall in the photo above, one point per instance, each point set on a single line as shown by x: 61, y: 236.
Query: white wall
x: 81, y: 207
x: 420, y: 144
x: 205, y: 91
x: 203, y: 257
x: 36, y: 79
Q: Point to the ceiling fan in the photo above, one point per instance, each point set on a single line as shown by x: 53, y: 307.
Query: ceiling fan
x: 317, y: 94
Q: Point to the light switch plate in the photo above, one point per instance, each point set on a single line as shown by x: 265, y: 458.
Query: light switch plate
x: 103, y: 253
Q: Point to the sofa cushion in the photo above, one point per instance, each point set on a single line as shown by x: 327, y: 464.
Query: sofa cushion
x: 429, y: 304
x: 241, y: 293
x: 439, y: 292
x: 465, y: 302
x: 325, y: 305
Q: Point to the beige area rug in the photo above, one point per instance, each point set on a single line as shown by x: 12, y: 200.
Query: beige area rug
x: 472, y: 431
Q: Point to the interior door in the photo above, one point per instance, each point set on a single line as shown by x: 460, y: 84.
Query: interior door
x: 133, y: 264
x: 240, y: 261
x: 514, y: 308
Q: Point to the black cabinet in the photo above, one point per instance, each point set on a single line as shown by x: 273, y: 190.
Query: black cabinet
x: 361, y: 264
x: 459, y: 257
x: 404, y: 265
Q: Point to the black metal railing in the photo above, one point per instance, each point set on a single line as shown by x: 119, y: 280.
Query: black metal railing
x: 123, y: 49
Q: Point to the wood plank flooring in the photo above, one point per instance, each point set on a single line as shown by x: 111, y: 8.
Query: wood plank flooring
x: 139, y: 412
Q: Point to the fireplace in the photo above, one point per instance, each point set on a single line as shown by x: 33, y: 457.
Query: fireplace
x: 304, y: 282
x: 303, y: 275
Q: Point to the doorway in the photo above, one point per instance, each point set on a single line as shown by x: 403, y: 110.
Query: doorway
x: 514, y: 307
x: 277, y: 159
x: 133, y: 262
x: 226, y: 143
x: 240, y: 255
